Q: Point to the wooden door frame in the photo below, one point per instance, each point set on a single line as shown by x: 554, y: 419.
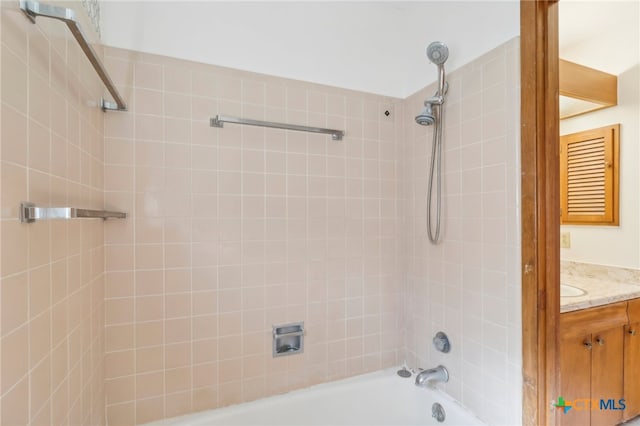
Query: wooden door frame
x: 540, y: 208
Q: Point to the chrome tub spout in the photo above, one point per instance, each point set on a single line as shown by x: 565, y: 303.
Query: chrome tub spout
x: 438, y: 374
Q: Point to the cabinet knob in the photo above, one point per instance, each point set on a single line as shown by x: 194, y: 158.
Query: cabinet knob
x: 587, y: 344
x: 600, y: 341
x: 632, y: 332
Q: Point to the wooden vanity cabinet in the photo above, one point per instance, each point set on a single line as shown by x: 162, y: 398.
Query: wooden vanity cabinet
x: 591, y: 363
x: 632, y: 361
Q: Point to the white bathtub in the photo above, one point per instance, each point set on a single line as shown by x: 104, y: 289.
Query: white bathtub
x: 380, y: 398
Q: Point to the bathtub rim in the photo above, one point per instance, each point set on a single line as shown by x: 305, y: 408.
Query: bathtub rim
x: 187, y: 419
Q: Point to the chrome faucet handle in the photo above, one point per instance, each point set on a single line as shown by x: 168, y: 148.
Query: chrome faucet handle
x: 441, y: 342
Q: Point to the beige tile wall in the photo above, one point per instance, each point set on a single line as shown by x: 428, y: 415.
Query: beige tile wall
x: 235, y: 229
x: 232, y: 230
x: 469, y: 284
x: 52, y: 273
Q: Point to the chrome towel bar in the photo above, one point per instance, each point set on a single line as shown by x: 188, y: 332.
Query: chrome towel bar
x: 219, y: 120
x: 32, y: 9
x: 29, y: 213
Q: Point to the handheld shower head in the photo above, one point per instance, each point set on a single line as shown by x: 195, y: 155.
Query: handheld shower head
x: 437, y: 52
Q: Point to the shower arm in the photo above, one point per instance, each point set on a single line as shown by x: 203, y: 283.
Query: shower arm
x: 438, y: 98
x: 435, y: 100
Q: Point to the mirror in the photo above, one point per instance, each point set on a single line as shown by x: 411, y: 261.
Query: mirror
x: 614, y: 49
x: 584, y: 89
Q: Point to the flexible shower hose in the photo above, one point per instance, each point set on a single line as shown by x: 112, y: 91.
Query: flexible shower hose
x: 436, y: 161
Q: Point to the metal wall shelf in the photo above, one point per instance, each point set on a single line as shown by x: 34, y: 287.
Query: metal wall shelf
x: 29, y: 213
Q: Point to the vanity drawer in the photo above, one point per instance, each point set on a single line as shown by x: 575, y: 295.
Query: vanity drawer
x: 591, y: 320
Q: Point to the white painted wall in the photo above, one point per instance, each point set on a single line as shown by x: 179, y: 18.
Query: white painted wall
x: 376, y: 47
x: 614, y: 245
x: 614, y: 48
x: 594, y: 33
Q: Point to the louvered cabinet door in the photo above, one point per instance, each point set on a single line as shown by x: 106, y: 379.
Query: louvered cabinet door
x: 589, y: 176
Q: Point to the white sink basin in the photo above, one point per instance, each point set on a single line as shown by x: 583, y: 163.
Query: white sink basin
x: 571, y: 291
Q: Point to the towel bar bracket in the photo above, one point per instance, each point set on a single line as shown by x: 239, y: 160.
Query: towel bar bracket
x: 108, y: 106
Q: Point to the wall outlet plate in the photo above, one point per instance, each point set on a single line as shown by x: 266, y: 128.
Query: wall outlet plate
x: 565, y: 239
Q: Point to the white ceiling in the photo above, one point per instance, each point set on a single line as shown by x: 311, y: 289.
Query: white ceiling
x: 376, y: 47
x: 604, y: 35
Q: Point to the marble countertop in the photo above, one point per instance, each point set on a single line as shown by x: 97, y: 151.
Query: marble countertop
x: 600, y: 291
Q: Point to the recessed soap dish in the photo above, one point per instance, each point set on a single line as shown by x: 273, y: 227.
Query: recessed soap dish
x: 288, y: 339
